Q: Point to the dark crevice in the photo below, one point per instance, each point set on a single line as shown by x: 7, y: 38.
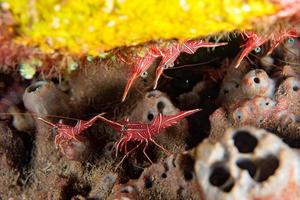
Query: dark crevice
x: 188, y: 175
x: 148, y: 183
x: 75, y: 187
x: 124, y: 190
x: 127, y: 189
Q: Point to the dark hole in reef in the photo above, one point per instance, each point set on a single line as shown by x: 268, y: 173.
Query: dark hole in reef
x: 226, y: 91
x: 174, y: 163
x: 73, y: 188
x: 160, y: 106
x: 5, y: 82
x: 164, y: 175
x: 127, y: 189
x: 220, y: 177
x: 187, y: 167
x: 166, y: 167
x: 109, y: 148
x: 152, y: 93
x: 182, y: 192
x: 237, y: 85
x: 267, y: 103
x: 148, y: 183
x: 188, y: 176
x: 244, y: 141
x: 124, y: 190
x: 266, y: 168
x: 35, y: 86
x: 256, y: 80
x: 295, y: 88
x: 248, y: 165
x: 150, y: 116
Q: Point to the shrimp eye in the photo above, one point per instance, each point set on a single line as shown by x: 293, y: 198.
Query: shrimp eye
x: 125, y: 127
x: 169, y: 65
x: 257, y: 50
x: 144, y: 74
x: 291, y: 40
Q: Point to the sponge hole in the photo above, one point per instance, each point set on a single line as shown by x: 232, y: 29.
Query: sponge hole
x: 266, y: 168
x: 244, y: 141
x: 261, y: 169
x: 220, y: 177
x: 247, y: 165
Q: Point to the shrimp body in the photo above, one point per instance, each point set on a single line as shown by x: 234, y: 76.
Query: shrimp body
x: 168, y: 54
x: 65, y: 133
x: 141, y: 64
x: 254, y: 40
x: 143, y: 133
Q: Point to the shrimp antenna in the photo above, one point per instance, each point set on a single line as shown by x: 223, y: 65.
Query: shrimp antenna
x: 47, y: 122
x: 36, y: 114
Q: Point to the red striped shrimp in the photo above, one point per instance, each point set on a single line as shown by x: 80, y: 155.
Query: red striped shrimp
x: 254, y: 41
x: 169, y: 53
x: 65, y: 133
x: 144, y: 132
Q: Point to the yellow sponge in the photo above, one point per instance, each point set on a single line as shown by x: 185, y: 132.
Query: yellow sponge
x: 91, y: 26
